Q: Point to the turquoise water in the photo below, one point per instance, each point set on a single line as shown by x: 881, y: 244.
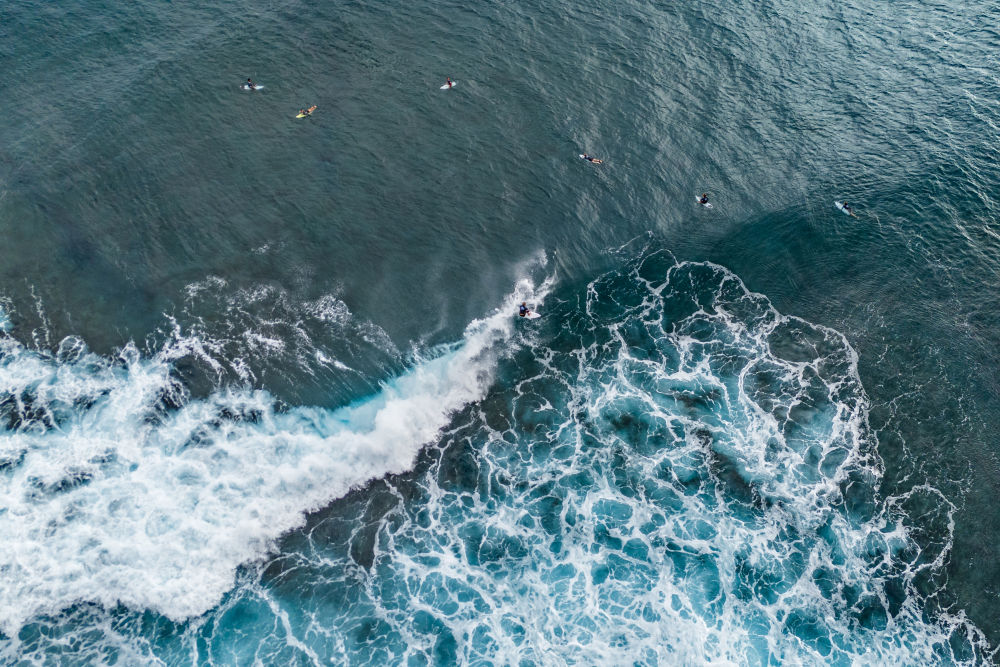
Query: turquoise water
x: 265, y: 397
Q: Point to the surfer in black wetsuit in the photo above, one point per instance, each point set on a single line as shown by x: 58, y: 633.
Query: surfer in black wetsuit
x: 250, y: 85
x: 591, y: 158
x: 847, y: 209
x: 703, y: 199
x: 523, y: 310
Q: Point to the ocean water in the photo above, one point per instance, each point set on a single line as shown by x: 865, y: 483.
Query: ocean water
x: 265, y: 399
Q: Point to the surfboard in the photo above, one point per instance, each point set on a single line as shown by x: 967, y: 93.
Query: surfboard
x: 447, y: 87
x: 706, y: 204
x: 532, y: 315
x: 840, y: 206
x: 307, y: 113
x: 256, y: 86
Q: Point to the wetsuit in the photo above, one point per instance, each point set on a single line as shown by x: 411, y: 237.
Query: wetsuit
x: 523, y: 311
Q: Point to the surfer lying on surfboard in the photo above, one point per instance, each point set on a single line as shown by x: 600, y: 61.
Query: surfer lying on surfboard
x: 306, y: 112
x: 591, y: 158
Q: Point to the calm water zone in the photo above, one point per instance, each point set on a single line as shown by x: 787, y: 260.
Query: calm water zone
x: 265, y: 397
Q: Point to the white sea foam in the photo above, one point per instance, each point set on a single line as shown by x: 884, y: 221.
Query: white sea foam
x: 116, y: 487
x: 694, y: 484
x: 681, y: 475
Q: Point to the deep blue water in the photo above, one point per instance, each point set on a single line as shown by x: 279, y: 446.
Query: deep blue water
x: 265, y: 399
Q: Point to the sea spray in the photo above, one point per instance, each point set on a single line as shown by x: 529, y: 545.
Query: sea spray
x: 118, y: 487
x: 661, y: 470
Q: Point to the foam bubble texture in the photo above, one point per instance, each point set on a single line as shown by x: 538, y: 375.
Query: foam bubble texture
x: 678, y: 475
x: 664, y: 470
x: 117, y: 487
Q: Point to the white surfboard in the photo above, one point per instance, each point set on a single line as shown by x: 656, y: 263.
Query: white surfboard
x: 256, y: 86
x: 707, y: 204
x: 532, y: 315
x: 843, y: 208
x: 447, y: 87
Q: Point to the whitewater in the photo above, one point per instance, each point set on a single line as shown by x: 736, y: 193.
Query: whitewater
x: 119, y: 488
x: 265, y: 397
x: 662, y: 469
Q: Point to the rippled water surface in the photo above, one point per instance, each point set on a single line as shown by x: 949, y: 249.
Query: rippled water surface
x: 264, y: 396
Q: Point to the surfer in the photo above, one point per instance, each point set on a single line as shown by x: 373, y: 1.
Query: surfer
x: 848, y: 210
x: 251, y: 85
x: 591, y: 158
x: 306, y: 112
x: 703, y: 199
x: 523, y: 310
x: 449, y: 83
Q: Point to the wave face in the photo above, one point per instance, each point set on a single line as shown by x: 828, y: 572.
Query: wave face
x: 663, y: 469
